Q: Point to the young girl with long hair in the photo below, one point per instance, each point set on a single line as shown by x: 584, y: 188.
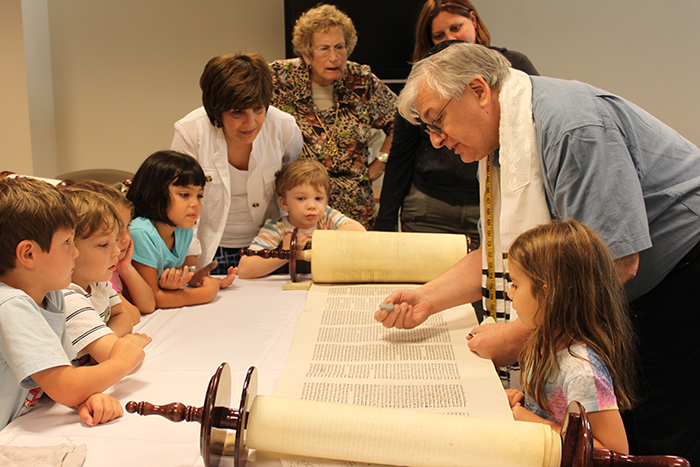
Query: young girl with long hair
x: 581, y: 349
x: 167, y: 195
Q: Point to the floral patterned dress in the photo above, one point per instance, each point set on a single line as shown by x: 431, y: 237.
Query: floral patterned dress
x: 338, y: 137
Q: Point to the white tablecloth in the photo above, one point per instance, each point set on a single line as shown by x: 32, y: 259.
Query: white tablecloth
x: 252, y: 323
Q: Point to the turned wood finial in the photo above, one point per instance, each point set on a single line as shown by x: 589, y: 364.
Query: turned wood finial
x: 607, y: 458
x: 175, y: 412
x: 280, y: 254
x: 277, y: 254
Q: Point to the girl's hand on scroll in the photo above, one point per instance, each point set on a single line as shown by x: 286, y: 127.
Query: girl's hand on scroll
x: 302, y: 240
x: 411, y: 308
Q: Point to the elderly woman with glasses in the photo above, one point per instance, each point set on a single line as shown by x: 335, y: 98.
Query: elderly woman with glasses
x: 337, y: 103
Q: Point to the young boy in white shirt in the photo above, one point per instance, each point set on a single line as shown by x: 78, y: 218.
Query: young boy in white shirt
x: 37, y: 255
x: 302, y: 188
x: 95, y: 316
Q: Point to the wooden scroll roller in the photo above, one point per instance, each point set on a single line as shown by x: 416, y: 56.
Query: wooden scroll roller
x: 373, y: 257
x: 284, y: 254
x: 383, y: 436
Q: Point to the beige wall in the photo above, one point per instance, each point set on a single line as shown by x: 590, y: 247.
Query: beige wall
x: 37, y: 47
x: 15, y: 142
x: 124, y: 71
x: 118, y: 73
x: 643, y: 50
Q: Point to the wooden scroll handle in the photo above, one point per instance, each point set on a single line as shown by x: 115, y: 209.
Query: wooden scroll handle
x: 277, y: 254
x: 222, y: 417
x: 175, y: 412
x: 578, y: 451
x: 605, y: 458
x: 280, y: 254
x: 215, y: 417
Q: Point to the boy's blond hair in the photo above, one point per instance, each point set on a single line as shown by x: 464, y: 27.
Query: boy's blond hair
x: 30, y: 209
x: 302, y: 171
x: 95, y: 212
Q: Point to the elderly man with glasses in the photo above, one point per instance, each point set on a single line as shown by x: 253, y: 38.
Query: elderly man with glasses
x: 549, y: 150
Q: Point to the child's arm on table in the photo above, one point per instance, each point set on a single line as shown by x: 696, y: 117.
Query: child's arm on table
x: 73, y: 386
x: 100, y: 349
x: 120, y: 320
x: 133, y: 311
x: 136, y: 290
x: 606, y: 425
x: 180, y: 297
x: 231, y: 274
x: 254, y: 266
x: 99, y: 408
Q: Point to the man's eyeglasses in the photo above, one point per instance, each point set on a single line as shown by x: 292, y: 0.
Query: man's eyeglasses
x: 432, y: 127
x: 325, y: 50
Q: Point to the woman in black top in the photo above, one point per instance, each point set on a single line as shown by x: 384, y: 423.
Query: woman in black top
x: 435, y: 190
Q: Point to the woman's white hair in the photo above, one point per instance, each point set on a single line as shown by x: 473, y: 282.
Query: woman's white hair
x: 448, y: 73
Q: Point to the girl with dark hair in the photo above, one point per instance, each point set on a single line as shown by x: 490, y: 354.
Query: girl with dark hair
x: 167, y: 195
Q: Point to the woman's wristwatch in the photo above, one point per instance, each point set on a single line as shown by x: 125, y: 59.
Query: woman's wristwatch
x: 383, y: 157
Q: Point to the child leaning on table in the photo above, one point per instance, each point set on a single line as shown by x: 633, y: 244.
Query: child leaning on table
x: 167, y: 195
x: 302, y: 188
x: 37, y: 255
x: 566, y: 290
x: 96, y: 318
x: 136, y: 295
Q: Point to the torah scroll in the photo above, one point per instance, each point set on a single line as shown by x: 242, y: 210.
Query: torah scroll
x: 397, y: 437
x: 387, y: 257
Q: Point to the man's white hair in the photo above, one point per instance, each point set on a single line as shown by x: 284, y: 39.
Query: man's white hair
x: 448, y: 73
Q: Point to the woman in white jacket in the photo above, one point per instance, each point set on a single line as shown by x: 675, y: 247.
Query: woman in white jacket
x: 241, y: 142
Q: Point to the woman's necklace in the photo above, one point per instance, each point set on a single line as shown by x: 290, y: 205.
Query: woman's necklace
x: 331, y: 146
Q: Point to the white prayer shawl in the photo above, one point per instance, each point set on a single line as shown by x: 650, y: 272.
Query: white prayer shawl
x: 517, y: 187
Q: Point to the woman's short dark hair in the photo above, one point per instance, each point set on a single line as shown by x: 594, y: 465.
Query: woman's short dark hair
x: 239, y: 82
x: 150, y: 187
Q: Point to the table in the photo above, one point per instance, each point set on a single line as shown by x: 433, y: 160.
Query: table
x: 251, y: 323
